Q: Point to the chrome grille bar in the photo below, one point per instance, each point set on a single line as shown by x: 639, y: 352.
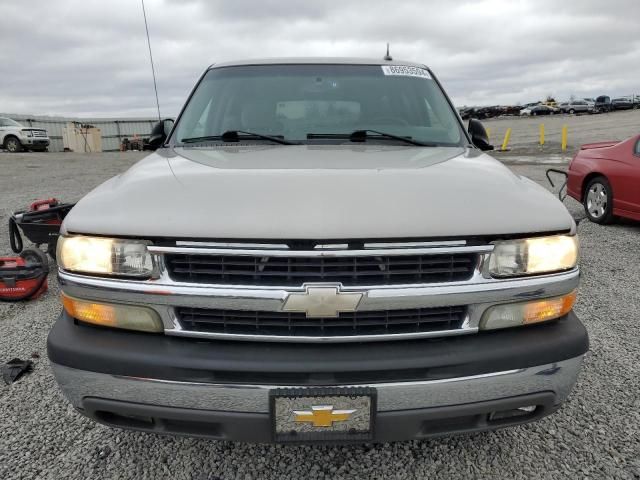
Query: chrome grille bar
x: 434, y: 250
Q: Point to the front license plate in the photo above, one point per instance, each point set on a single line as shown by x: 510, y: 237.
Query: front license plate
x: 323, y: 414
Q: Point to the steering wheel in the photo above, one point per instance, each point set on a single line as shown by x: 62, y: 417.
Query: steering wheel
x: 390, y: 120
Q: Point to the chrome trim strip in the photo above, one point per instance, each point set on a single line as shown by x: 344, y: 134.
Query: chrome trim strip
x: 413, y: 383
x: 284, y: 246
x: 449, y: 243
x: 554, y: 377
x: 331, y: 246
x: 178, y: 332
x: 246, y: 297
x: 156, y: 249
x: 231, y: 245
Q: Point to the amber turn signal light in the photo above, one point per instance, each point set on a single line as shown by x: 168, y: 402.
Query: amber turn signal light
x: 543, y: 310
x: 128, y: 317
x: 526, y: 313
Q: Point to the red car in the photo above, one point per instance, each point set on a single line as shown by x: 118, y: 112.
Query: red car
x: 605, y: 178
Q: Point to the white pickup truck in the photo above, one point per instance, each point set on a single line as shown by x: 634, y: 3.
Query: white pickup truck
x: 15, y: 137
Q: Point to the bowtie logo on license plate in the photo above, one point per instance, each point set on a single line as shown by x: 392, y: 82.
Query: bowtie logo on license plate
x: 322, y: 415
x: 322, y: 301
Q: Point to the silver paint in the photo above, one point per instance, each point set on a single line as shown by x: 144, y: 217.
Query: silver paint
x: 318, y: 192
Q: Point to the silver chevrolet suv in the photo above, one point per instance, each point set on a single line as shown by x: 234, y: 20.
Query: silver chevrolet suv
x: 318, y: 251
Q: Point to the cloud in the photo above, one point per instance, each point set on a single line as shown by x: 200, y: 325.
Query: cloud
x: 90, y: 58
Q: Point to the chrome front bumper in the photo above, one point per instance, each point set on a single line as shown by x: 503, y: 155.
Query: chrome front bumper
x: 556, y: 378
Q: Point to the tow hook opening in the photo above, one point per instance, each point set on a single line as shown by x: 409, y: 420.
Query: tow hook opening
x: 520, y: 413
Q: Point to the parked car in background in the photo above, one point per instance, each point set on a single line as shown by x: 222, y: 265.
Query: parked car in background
x: 603, y: 104
x: 621, y: 104
x: 539, y: 110
x: 488, y: 112
x: 604, y: 177
x: 576, y: 106
x: 15, y: 137
x: 512, y: 109
x: 481, y: 112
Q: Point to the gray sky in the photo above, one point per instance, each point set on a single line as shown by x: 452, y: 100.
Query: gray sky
x: 89, y: 58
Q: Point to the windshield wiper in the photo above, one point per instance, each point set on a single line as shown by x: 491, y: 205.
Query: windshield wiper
x: 362, y: 135
x: 236, y: 136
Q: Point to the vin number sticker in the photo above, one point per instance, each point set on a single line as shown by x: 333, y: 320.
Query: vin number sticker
x: 405, y: 71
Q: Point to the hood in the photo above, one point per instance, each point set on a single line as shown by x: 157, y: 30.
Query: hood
x: 317, y: 192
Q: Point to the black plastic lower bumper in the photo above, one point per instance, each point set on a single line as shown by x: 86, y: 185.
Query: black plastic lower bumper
x: 36, y: 144
x: 257, y: 427
x: 189, y: 360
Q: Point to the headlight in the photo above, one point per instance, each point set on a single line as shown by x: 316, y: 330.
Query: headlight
x: 526, y: 313
x: 27, y: 133
x: 129, y: 317
x: 532, y: 256
x: 104, y: 256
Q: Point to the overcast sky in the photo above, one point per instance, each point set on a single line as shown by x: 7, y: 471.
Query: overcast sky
x: 90, y: 58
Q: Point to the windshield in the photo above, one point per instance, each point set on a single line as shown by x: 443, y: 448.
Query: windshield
x: 7, y: 122
x: 298, y: 102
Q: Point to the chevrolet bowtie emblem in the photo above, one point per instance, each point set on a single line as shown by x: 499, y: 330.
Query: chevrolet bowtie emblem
x: 322, y: 416
x: 322, y: 302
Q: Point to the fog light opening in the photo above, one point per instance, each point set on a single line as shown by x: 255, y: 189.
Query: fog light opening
x: 119, y: 420
x: 520, y: 412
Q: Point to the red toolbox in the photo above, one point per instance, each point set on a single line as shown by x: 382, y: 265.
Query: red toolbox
x: 23, y: 277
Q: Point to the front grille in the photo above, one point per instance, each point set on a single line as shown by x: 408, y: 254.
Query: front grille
x: 293, y: 324
x: 297, y: 270
x: 39, y: 133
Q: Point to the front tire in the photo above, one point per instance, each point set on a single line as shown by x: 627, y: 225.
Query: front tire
x: 572, y: 111
x: 598, y: 201
x: 12, y: 144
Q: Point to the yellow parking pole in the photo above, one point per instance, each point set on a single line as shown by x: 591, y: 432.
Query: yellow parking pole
x: 505, y: 142
x: 564, y: 138
x: 541, y: 134
x: 488, y: 133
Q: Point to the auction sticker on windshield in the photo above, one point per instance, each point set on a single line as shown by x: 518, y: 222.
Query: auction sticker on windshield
x: 405, y: 71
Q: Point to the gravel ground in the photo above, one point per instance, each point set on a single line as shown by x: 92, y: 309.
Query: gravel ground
x: 595, y: 435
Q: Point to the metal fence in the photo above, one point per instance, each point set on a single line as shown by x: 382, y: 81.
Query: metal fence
x: 112, y: 130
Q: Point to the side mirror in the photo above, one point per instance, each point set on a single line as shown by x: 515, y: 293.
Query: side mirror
x: 479, y: 135
x: 159, y: 134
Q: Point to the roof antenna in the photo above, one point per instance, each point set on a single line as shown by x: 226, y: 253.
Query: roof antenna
x: 387, y: 57
x: 153, y: 71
